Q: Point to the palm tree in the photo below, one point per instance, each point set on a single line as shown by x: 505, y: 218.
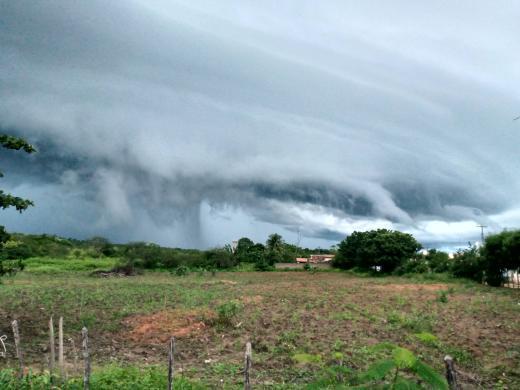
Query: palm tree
x: 275, y: 243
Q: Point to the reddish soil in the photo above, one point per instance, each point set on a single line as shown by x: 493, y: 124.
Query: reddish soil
x: 158, y: 327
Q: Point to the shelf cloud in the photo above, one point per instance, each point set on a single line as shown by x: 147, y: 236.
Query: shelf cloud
x: 195, y: 123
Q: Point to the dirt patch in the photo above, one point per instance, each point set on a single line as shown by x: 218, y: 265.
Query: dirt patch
x: 217, y: 282
x: 117, y: 272
x: 253, y: 299
x: 158, y: 327
x: 411, y: 287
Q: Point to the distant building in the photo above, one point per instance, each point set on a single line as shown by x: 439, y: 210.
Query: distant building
x: 315, y: 259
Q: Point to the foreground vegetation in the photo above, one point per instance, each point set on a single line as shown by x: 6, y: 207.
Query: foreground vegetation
x: 308, y: 329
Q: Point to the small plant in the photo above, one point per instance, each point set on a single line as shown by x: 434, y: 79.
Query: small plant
x: 442, y: 297
x: 306, y: 358
x: 227, y: 311
x: 427, y: 338
x: 402, y: 361
x: 181, y: 270
x: 338, y: 345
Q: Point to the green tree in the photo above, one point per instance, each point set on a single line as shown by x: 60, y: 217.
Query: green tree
x: 468, y: 263
x: 274, y: 248
x: 501, y: 254
x: 258, y: 255
x: 242, y: 250
x: 8, y: 200
x: 380, y: 249
x: 438, y: 261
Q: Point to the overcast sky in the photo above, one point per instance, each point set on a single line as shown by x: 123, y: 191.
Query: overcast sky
x: 193, y: 123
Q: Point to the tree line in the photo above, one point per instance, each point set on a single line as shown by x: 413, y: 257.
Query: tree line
x: 385, y: 251
x: 144, y: 255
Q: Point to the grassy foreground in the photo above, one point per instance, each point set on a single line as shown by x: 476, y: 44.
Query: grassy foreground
x: 300, y: 325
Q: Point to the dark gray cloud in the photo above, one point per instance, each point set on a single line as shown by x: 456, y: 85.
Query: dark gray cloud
x: 190, y: 124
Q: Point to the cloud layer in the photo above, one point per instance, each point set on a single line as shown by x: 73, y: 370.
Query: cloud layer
x: 194, y: 124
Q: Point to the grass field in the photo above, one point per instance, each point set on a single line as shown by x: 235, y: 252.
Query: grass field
x: 298, y: 322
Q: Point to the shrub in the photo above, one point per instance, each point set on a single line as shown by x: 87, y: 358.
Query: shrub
x: 181, y: 270
x: 438, y: 261
x: 442, y: 296
x: 227, y: 311
x: 414, y: 265
x: 469, y: 264
x: 402, y: 369
x: 220, y: 258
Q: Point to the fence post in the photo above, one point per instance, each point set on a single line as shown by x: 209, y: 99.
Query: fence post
x: 52, y: 350
x: 171, y: 361
x: 247, y: 367
x: 451, y: 374
x: 61, y: 360
x: 18, y: 345
x: 86, y: 357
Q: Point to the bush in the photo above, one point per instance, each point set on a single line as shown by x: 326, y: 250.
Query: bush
x: 381, y: 249
x: 415, y: 265
x: 438, y: 261
x: 219, y: 258
x: 468, y: 264
x: 181, y: 270
x: 227, y: 311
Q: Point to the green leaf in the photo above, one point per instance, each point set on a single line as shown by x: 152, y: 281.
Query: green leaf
x: 429, y: 375
x: 383, y: 347
x: 405, y: 384
x: 427, y: 338
x: 306, y: 358
x: 403, y: 357
x: 378, y: 370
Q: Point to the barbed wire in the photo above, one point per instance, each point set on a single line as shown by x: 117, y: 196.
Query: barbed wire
x: 3, y: 353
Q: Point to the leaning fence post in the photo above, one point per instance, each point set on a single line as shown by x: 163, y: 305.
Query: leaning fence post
x: 61, y: 360
x: 247, y: 367
x: 17, y: 345
x: 52, y: 350
x: 451, y: 374
x: 171, y: 361
x: 86, y: 357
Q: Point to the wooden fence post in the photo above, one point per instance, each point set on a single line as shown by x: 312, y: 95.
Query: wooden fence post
x: 171, y: 361
x: 18, y: 345
x: 52, y: 358
x: 247, y: 367
x: 86, y: 357
x: 451, y: 374
x: 61, y: 360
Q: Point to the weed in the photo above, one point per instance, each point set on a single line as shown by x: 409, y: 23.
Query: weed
x: 181, y: 270
x: 226, y: 312
x: 112, y: 377
x: 338, y: 345
x: 306, y: 358
x: 442, y: 297
x: 343, y: 316
x: 427, y: 338
x: 402, y: 361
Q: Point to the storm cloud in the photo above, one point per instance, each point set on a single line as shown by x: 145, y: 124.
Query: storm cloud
x: 195, y: 123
